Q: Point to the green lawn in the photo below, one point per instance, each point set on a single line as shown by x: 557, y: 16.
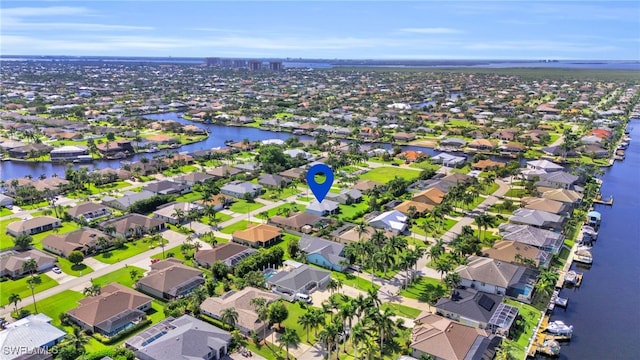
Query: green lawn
x: 190, y: 197
x: 6, y: 240
x: 402, y: 310
x: 128, y: 250
x: 517, y: 193
x: 54, y: 305
x: 76, y: 270
x: 273, y: 195
x: 177, y: 254
x: 280, y: 210
x: 92, y: 189
x: 425, y: 289
x: 304, y: 198
x: 531, y: 316
x: 21, y: 287
x: 181, y: 170
x: 387, y: 173
x: 220, y: 217
x: 490, y: 190
x: 241, y: 206
x: 362, y: 283
x: 296, y: 310
x: 121, y: 276
x: 5, y: 212
x: 439, y: 230
x: 353, y: 212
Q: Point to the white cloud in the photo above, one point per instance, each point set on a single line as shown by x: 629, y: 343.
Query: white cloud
x: 539, y: 45
x: 43, y: 11
x: 14, y: 25
x: 433, y: 30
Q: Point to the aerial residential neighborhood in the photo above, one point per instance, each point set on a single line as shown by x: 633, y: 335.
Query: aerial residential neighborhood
x: 134, y: 224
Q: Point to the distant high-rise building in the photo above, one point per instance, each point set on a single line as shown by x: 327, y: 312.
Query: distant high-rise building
x: 239, y: 63
x: 212, y: 61
x: 255, y: 65
x: 275, y: 65
x: 227, y: 63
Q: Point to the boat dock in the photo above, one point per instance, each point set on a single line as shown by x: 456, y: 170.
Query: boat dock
x: 599, y: 200
x: 562, y: 279
x: 543, y: 343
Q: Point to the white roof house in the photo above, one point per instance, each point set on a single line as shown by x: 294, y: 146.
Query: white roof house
x: 448, y: 159
x: 32, y: 332
x: 391, y: 220
x: 545, y: 165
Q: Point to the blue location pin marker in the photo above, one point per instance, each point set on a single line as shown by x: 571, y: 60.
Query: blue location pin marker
x: 320, y: 190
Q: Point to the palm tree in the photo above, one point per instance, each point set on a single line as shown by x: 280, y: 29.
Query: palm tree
x: 346, y: 312
x: 260, y: 304
x: 30, y: 266
x: 332, y: 285
x: 307, y: 321
x: 437, y: 249
x: 386, y: 258
x: 179, y: 215
x: 361, y: 229
x: 547, y: 281
x: 289, y: 338
x: 360, y: 333
x: 15, y: 299
x: 229, y: 316
x: 78, y: 338
x: 92, y: 290
x: 481, y: 222
x: 443, y: 265
x: 328, y: 336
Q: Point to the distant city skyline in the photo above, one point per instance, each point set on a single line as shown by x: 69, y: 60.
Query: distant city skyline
x: 585, y: 30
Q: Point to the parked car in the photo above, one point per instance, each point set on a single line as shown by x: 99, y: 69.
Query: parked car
x: 56, y: 270
x: 302, y: 297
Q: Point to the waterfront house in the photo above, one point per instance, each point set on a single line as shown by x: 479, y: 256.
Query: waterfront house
x: 448, y: 160
x: 537, y: 218
x: 544, y: 165
x: 166, y: 187
x: 116, y: 309
x: 33, y: 226
x: 498, y: 277
x: 557, y: 179
x: 169, y: 212
x: 326, y: 207
x: 455, y: 143
x: 519, y: 253
x: 130, y: 197
x: 392, y: 220
x: 540, y: 238
x: 228, y: 253
x: 569, y: 197
x: 412, y: 156
x: 482, y: 145
x: 68, y: 153
x: 487, y: 164
x: 30, y: 150
x: 170, y: 279
x: 183, y: 338
x: 30, y: 338
x: 444, y: 339
x: 12, y: 262
x: 478, y: 309
x: 132, y: 225
x: 298, y: 278
x: 88, y: 211
x: 548, y: 205
x: 240, y: 300
x: 258, y: 235
x: 326, y: 253
x: 86, y: 240
x: 241, y: 189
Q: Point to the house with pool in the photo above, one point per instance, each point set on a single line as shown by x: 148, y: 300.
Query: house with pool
x: 326, y: 253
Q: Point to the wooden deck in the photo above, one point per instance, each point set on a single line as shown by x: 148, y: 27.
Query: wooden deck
x: 599, y: 200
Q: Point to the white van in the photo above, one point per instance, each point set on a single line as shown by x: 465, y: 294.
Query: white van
x: 302, y: 297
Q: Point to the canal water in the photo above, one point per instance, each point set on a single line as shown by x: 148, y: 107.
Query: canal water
x: 605, y: 310
x: 218, y: 134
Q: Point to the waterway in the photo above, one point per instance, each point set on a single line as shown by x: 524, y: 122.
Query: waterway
x: 605, y: 309
x: 218, y: 134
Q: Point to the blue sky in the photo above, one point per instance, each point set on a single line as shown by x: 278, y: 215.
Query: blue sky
x: 324, y: 29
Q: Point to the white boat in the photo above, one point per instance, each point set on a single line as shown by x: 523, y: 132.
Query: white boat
x: 583, y: 256
x: 571, y: 277
x: 559, y: 328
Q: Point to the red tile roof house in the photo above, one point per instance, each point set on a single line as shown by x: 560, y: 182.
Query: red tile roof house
x: 116, y: 309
